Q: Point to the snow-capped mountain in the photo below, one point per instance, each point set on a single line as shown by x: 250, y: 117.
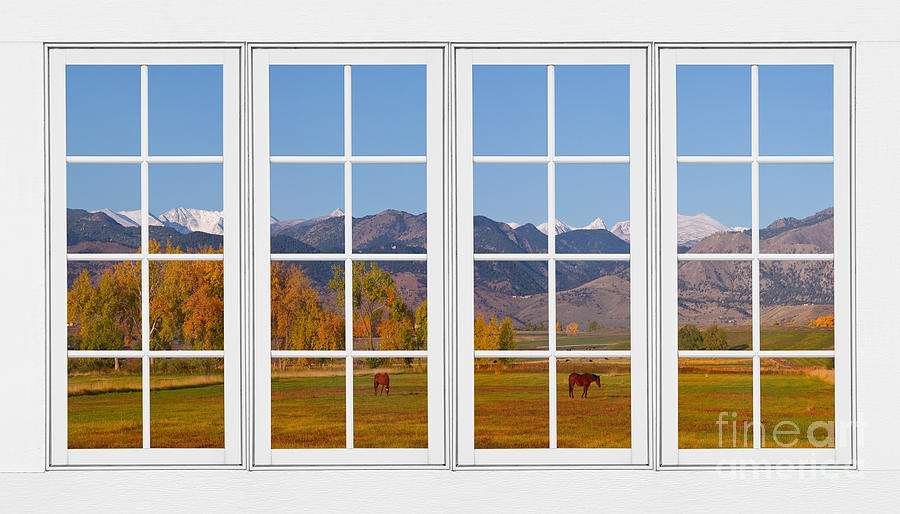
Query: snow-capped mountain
x: 513, y: 225
x: 561, y: 227
x: 186, y: 220
x: 182, y: 219
x: 622, y: 230
x: 692, y: 229
x: 276, y: 225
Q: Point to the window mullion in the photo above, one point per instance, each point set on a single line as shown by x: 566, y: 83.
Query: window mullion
x: 551, y: 246
x: 145, y: 250
x: 754, y: 148
x: 348, y: 251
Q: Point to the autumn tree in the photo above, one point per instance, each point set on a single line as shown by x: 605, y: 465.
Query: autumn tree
x: 506, y: 335
x: 572, y: 329
x: 714, y: 338
x: 421, y: 326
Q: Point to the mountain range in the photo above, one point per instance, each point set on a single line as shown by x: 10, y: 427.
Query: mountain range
x: 710, y: 292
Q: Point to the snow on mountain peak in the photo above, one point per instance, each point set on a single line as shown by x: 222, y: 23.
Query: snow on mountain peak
x: 692, y: 229
x: 336, y: 213
x: 622, y: 230
x: 597, y: 224
x: 513, y: 225
x: 561, y: 227
x: 184, y: 219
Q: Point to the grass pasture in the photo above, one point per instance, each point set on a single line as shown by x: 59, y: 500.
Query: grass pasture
x: 795, y: 392
x: 309, y: 408
x: 609, y: 339
x: 512, y: 405
x: 186, y: 410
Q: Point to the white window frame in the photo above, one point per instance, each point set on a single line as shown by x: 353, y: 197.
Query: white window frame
x: 669, y: 58
x: 60, y: 455
x: 636, y: 56
x: 433, y: 57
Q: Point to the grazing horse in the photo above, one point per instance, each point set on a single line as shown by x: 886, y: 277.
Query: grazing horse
x: 383, y: 380
x: 582, y: 379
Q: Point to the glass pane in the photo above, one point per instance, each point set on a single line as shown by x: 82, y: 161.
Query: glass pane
x: 103, y: 305
x: 306, y: 110
x: 511, y: 403
x: 185, y: 115
x: 390, y: 403
x: 187, y: 403
x: 715, y: 403
x: 510, y: 204
x: 797, y: 403
x: 509, y: 106
x: 388, y: 110
x: 103, y: 208
x: 390, y: 311
x: 186, y: 207
x: 389, y: 208
x: 307, y: 305
x: 511, y: 311
x: 187, y: 309
x: 714, y: 208
x: 593, y: 306
x: 309, y: 403
x: 593, y: 403
x: 796, y: 208
x: 104, y: 403
x: 796, y: 305
x: 306, y: 206
x: 796, y: 110
x: 592, y: 110
x: 713, y: 109
x: 592, y: 208
x: 714, y: 306
x: 103, y: 110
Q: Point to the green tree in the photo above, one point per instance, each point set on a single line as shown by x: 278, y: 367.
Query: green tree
x: 690, y: 338
x: 506, y: 335
x: 714, y: 338
x: 421, y: 326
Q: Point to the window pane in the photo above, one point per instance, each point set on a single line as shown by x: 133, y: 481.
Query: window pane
x: 797, y: 403
x: 306, y: 110
x: 103, y: 110
x: 714, y: 208
x: 390, y: 311
x: 593, y: 306
x: 309, y: 403
x: 714, y: 306
x: 602, y: 417
x: 186, y: 207
x: 187, y: 403
x: 389, y: 208
x: 591, y: 110
x: 307, y: 305
x: 510, y: 203
x: 103, y: 208
x: 187, y: 308
x: 103, y: 305
x: 715, y: 403
x: 306, y: 206
x: 511, y: 403
x: 796, y: 208
x: 104, y: 403
x: 390, y: 403
x: 592, y: 208
x: 185, y: 104
x: 713, y: 104
x: 511, y: 311
x: 796, y: 110
x: 509, y: 110
x: 388, y: 110
x: 797, y: 305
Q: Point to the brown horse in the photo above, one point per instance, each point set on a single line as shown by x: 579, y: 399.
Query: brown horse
x: 582, y: 379
x: 383, y: 380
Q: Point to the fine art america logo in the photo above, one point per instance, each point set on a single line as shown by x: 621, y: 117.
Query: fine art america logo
x: 784, y: 434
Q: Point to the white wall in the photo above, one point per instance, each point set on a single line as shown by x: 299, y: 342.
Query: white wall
x: 26, y: 25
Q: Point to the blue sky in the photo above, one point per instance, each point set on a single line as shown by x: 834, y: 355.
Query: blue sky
x: 103, y: 118
x: 510, y: 118
x: 714, y: 118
